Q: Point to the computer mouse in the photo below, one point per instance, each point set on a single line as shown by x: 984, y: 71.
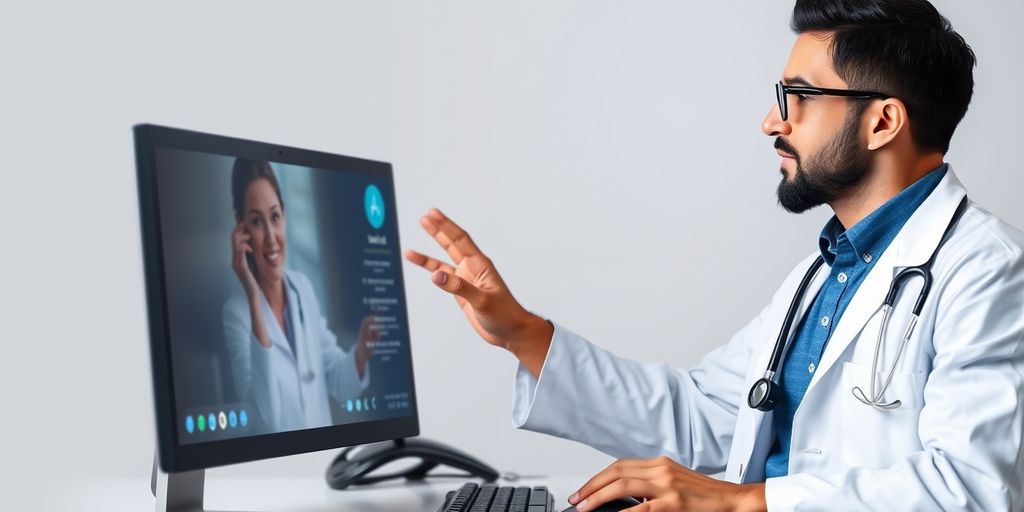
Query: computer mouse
x: 611, y: 506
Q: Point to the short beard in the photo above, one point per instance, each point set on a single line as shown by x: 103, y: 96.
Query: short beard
x: 840, y: 165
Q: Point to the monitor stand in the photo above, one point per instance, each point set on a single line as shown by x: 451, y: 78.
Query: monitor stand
x: 178, y: 492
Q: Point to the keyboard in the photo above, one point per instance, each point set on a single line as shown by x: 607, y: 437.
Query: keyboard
x: 472, y: 497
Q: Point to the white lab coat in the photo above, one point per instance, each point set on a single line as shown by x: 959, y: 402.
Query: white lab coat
x: 954, y: 444
x: 289, y: 391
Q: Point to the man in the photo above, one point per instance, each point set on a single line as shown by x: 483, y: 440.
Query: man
x: 915, y: 407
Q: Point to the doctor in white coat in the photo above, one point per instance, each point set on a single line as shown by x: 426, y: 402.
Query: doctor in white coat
x: 951, y: 442
x: 285, y: 361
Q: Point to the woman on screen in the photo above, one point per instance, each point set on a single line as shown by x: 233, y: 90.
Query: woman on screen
x: 284, y: 359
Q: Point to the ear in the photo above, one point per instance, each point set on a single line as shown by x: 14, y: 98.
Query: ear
x: 886, y: 121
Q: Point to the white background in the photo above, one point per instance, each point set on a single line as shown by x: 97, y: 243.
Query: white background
x: 606, y: 154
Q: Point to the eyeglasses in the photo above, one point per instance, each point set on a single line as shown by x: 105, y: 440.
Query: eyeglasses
x: 781, y: 90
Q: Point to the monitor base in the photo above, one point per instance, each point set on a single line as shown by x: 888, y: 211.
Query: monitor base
x: 178, y: 492
x: 356, y: 465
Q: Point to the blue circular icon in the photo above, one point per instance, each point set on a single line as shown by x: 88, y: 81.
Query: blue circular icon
x: 233, y: 419
x: 243, y: 418
x: 359, y: 405
x: 190, y: 424
x: 374, y: 203
x: 211, y: 421
x: 348, y: 405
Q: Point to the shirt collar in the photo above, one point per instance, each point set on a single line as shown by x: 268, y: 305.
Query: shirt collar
x: 872, y: 235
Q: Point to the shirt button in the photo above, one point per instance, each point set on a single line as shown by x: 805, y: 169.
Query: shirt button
x: 810, y: 368
x: 867, y: 257
x: 824, y: 321
x: 841, y: 277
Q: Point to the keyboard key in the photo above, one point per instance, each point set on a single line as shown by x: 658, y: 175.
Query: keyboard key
x: 460, y: 503
x: 520, y: 499
x: 501, y: 500
x: 472, y: 497
x: 483, y: 498
x: 539, y: 496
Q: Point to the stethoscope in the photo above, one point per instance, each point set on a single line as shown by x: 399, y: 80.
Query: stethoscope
x: 765, y: 394
x: 308, y: 375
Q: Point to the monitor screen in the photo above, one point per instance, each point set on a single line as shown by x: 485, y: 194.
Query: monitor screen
x: 283, y: 301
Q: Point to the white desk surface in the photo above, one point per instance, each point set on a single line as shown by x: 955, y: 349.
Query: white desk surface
x: 284, y: 494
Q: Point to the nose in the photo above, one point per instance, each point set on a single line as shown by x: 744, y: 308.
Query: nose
x: 275, y: 236
x: 268, y: 235
x: 773, y: 125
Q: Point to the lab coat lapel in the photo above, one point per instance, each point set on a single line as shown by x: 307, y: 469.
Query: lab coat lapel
x: 295, y: 316
x: 865, y: 303
x: 926, y: 226
x: 751, y: 439
x: 912, y: 246
x: 274, y: 330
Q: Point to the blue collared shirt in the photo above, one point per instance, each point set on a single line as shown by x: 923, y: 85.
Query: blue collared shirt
x: 850, y: 255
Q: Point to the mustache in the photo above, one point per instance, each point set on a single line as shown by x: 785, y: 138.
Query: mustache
x: 783, y: 144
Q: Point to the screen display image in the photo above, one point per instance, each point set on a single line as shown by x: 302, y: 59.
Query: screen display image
x: 284, y: 301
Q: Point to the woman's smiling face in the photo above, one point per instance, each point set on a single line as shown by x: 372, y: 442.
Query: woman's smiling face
x: 264, y: 220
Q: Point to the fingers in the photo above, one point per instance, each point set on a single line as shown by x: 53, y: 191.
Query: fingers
x: 625, y: 468
x: 432, y: 265
x: 452, y: 283
x: 427, y: 262
x: 240, y: 239
x: 620, y: 488
x: 239, y: 232
x: 239, y: 262
x: 452, y: 238
x: 432, y: 229
x: 368, y: 328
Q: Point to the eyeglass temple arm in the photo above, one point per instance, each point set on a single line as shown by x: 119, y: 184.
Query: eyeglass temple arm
x: 821, y: 91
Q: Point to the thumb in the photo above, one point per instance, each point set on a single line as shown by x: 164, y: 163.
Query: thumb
x: 458, y: 286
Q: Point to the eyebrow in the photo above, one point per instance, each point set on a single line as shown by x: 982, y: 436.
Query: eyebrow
x: 796, y: 80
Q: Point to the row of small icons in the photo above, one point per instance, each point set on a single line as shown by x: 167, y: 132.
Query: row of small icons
x: 213, y: 422
x: 365, y: 404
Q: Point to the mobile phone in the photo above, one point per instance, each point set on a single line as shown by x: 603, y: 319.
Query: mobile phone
x: 251, y: 261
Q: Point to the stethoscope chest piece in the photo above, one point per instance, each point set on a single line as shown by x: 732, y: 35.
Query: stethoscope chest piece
x: 764, y: 395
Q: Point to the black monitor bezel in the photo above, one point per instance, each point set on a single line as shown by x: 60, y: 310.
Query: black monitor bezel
x: 175, y: 457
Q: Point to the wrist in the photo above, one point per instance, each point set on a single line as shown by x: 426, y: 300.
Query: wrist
x: 533, y: 332
x: 530, y: 344
x: 252, y: 290
x: 751, y: 498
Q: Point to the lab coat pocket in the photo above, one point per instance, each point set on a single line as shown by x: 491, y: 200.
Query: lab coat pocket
x: 873, y: 437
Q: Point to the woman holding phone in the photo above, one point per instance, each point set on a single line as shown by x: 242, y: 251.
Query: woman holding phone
x: 285, y: 361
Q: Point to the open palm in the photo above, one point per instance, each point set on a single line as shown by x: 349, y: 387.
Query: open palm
x: 478, y: 288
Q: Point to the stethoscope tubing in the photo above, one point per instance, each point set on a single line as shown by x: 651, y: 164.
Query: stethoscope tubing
x: 766, y: 392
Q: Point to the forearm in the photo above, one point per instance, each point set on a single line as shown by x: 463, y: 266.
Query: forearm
x: 624, y: 408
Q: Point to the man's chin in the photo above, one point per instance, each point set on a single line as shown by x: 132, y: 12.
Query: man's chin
x: 792, y: 200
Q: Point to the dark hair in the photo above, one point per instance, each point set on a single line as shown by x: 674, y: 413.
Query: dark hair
x: 904, y: 48
x: 245, y: 172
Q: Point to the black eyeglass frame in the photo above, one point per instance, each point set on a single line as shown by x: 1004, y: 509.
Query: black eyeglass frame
x: 782, y: 90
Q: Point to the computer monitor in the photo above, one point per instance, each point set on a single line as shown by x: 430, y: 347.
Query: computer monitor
x: 276, y: 302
